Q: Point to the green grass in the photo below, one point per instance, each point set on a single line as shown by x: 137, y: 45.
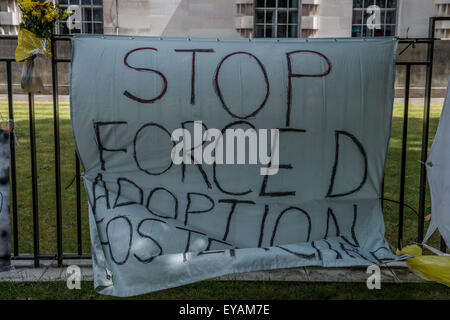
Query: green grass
x: 206, y: 289
x: 392, y: 173
x: 46, y: 180
x: 236, y: 290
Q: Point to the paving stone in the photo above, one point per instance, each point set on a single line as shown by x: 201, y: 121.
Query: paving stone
x: 292, y: 274
x: 52, y: 274
x: 318, y: 274
x: 396, y: 264
x: 406, y: 276
x: 86, y: 274
x: 22, y: 275
x: 352, y: 274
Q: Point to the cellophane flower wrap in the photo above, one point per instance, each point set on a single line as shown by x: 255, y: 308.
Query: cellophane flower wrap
x: 38, y: 22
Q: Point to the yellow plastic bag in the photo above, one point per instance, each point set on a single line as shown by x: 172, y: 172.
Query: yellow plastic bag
x: 431, y: 268
x: 30, y: 45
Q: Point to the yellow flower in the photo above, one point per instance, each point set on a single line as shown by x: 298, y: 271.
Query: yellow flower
x: 27, y: 5
x: 36, y: 13
x: 24, y: 3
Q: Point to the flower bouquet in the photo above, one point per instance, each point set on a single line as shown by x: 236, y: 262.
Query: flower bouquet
x: 38, y: 22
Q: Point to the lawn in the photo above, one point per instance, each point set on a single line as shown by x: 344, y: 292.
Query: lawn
x: 412, y: 178
x: 46, y: 180
x: 237, y: 290
x: 47, y: 210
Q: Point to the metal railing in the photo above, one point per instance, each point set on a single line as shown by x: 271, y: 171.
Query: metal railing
x: 60, y: 256
x: 37, y: 255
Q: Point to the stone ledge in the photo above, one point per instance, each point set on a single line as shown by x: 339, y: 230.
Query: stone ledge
x: 395, y: 272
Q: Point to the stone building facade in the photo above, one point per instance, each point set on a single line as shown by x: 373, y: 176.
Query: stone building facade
x: 246, y: 18
x: 250, y: 19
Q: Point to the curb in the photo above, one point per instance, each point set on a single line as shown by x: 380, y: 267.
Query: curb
x: 396, y: 272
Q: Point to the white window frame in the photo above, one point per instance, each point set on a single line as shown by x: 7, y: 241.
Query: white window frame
x: 383, y: 10
x: 274, y: 25
x: 84, y: 23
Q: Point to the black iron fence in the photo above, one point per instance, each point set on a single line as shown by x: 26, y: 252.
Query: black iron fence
x: 37, y: 255
x: 60, y: 256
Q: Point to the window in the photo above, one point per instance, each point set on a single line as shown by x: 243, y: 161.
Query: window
x: 387, y: 18
x: 276, y: 19
x: 91, y: 16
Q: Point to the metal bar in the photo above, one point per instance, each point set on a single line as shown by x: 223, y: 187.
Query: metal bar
x: 406, y: 48
x: 443, y: 246
x: 50, y: 256
x: 12, y: 147
x: 413, y: 63
x: 63, y: 37
x: 9, y: 37
x: 440, y: 19
x: 414, y: 40
x: 57, y: 153
x: 57, y: 37
x: 403, y: 161
x: 34, y: 184
x: 78, y: 186
x: 426, y: 124
x: 117, y: 17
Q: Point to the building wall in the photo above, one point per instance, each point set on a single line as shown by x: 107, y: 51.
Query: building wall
x: 217, y: 18
x: 178, y: 18
x: 413, y: 17
x: 442, y: 27
x: 9, y: 17
x: 335, y: 18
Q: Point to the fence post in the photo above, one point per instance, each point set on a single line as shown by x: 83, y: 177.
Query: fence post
x: 78, y: 186
x: 57, y: 153
x: 426, y: 124
x: 403, y: 164
x: 34, y: 184
x: 12, y: 147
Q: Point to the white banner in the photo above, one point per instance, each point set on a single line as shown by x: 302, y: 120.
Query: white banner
x: 170, y: 206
